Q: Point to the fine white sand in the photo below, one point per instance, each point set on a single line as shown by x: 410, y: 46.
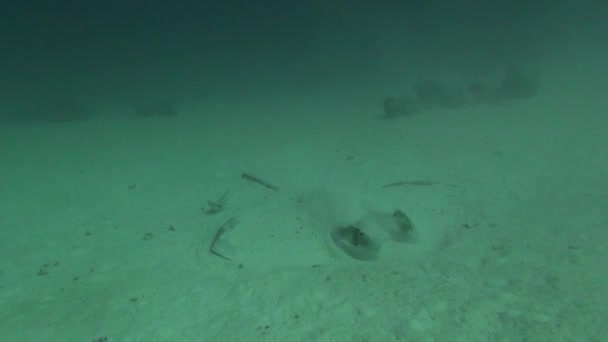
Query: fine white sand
x: 103, y: 232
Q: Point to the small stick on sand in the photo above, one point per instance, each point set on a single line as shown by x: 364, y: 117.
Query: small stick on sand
x: 422, y: 182
x: 220, y: 231
x: 216, y: 206
x: 259, y: 181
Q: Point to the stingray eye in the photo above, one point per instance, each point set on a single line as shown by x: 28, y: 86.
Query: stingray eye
x: 358, y: 237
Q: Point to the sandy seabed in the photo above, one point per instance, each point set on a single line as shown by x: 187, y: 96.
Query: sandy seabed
x: 104, y: 231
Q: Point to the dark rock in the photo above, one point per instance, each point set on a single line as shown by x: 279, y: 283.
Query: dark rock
x: 519, y: 84
x: 398, y: 107
x: 158, y: 108
x: 50, y: 109
x: 431, y: 94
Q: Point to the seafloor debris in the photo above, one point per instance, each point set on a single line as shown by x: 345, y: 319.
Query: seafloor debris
x: 228, y: 225
x: 260, y: 181
x: 214, y: 207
